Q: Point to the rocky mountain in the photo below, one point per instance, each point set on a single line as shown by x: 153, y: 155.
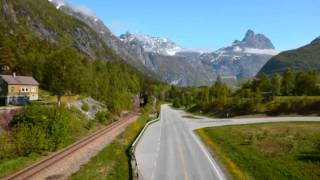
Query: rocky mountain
x: 163, y: 46
x: 171, y: 63
x: 252, y: 40
x: 182, y: 71
x: 25, y: 20
x: 157, y: 45
x: 306, y: 58
x: 133, y: 53
x: 243, y: 59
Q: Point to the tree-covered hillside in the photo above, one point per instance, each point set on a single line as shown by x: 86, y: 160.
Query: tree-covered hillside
x: 306, y: 58
x: 64, y: 54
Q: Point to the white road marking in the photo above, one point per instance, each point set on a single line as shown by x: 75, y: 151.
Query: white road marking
x: 204, y: 150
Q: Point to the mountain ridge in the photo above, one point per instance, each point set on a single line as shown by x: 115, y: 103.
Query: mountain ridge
x: 305, y: 58
x: 243, y: 59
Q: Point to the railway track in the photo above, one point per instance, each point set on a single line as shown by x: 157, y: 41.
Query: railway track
x: 45, y: 163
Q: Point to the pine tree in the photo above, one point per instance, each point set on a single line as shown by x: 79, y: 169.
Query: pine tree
x: 287, y: 83
x: 276, y: 85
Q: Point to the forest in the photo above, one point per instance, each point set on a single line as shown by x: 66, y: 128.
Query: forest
x: 286, y: 93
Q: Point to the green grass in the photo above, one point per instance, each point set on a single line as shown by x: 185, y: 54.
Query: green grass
x: 113, y: 161
x: 9, y: 166
x: 266, y: 151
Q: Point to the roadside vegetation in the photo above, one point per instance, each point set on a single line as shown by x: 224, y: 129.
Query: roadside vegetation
x: 284, y: 94
x: 113, y: 162
x: 38, y: 130
x: 267, y: 151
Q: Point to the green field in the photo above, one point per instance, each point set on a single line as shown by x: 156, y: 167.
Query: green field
x: 113, y: 161
x: 266, y: 151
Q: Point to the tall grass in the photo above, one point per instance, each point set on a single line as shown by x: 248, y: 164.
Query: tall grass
x: 267, y: 151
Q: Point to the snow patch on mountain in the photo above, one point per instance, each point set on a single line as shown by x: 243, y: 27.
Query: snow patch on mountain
x: 271, y: 52
x: 237, y: 49
x: 58, y: 3
x: 175, y: 82
x: 158, y: 45
x: 152, y: 44
x: 79, y: 9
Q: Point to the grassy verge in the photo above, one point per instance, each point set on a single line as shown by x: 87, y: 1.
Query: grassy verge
x: 8, y: 166
x: 267, y: 151
x: 113, y: 161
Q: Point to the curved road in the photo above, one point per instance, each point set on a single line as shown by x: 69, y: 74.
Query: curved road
x: 169, y: 150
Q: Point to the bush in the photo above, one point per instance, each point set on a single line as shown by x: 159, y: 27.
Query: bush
x: 299, y: 106
x: 103, y: 117
x: 85, y: 107
x: 6, y: 146
x: 43, y: 128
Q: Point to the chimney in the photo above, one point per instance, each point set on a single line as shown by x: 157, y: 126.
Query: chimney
x: 14, y: 75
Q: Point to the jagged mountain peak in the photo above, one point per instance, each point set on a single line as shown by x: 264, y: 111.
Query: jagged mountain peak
x: 252, y: 43
x: 253, y: 40
x: 249, y: 35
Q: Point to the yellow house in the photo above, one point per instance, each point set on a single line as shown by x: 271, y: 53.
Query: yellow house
x: 18, y: 90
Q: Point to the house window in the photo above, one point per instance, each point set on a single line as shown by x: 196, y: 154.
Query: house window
x: 24, y: 89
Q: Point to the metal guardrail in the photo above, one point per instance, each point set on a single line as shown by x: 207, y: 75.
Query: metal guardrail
x: 136, y: 172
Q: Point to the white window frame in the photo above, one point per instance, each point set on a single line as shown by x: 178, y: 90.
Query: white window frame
x: 24, y: 89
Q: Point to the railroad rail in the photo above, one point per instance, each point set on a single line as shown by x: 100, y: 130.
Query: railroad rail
x: 45, y: 163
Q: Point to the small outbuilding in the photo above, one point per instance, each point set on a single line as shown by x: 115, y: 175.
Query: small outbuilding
x: 18, y: 90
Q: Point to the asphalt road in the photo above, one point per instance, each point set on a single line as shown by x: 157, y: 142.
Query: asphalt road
x: 169, y: 150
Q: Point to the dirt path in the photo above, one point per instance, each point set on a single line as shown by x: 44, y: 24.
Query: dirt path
x: 6, y: 116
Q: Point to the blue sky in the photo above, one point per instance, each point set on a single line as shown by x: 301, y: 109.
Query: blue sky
x: 212, y: 24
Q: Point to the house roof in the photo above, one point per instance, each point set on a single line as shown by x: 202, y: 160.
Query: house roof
x: 19, y: 80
